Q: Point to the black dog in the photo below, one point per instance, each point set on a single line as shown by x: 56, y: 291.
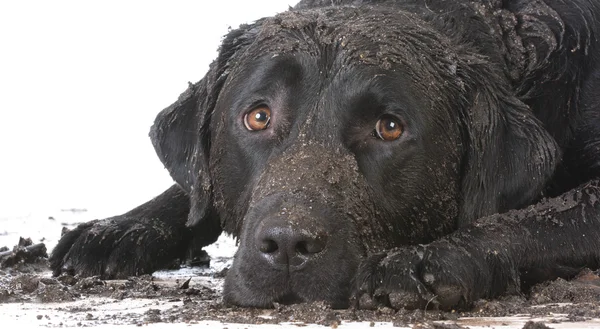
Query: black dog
x: 376, y: 151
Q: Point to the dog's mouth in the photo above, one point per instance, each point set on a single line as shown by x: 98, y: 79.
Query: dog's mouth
x: 252, y: 282
x: 291, y: 298
x: 288, y: 298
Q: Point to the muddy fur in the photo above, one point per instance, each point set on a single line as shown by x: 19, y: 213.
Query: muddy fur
x: 491, y: 187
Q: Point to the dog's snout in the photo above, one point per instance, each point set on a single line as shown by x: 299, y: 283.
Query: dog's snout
x: 284, y: 246
x: 289, y: 239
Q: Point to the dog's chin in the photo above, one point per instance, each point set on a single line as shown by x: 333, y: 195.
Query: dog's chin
x: 240, y: 291
x: 261, y: 300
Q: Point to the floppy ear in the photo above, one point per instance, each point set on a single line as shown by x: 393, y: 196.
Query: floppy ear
x: 510, y: 156
x: 181, y: 132
x: 180, y: 141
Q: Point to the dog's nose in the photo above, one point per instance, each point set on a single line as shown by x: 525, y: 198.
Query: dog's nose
x: 288, y: 247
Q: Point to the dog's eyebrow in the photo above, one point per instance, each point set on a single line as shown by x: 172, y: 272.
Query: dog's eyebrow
x: 274, y: 69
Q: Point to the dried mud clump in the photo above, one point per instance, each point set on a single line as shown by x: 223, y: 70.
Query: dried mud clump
x: 20, y: 268
x: 535, y: 325
x: 583, y: 288
x: 23, y: 254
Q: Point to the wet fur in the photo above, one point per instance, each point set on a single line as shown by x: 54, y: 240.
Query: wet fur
x: 494, y: 188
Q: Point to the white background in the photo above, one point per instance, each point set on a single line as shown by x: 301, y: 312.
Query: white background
x: 80, y: 85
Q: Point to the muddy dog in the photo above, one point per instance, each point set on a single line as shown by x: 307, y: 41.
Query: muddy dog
x: 379, y: 152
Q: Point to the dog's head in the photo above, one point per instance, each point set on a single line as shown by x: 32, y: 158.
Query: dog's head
x: 318, y: 136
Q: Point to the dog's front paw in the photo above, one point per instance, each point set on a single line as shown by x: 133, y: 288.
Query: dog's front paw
x: 117, y: 247
x: 438, y: 275
x: 392, y: 279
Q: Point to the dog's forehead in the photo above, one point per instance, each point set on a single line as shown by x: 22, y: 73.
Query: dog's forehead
x: 363, y: 35
x: 374, y: 38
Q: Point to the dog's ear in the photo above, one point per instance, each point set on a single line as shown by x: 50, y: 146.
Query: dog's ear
x: 180, y: 138
x: 181, y: 132
x: 510, y: 156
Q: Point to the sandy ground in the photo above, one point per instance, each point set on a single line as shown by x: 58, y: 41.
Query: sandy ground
x: 31, y: 297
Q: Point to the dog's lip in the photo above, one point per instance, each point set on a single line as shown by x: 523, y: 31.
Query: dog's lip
x: 287, y: 298
x: 290, y: 298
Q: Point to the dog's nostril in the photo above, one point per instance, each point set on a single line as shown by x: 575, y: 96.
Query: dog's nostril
x: 301, y: 248
x: 268, y: 246
x: 309, y: 247
x: 283, y: 246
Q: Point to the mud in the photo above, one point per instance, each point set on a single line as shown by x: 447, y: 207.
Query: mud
x: 177, y: 299
x: 24, y: 253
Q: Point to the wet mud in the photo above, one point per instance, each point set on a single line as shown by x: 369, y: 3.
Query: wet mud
x: 25, y: 278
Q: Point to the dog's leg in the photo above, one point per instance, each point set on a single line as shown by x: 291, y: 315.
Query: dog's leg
x: 150, y: 237
x: 556, y: 237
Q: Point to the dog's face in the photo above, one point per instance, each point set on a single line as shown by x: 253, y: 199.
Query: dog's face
x: 310, y: 144
x: 320, y: 137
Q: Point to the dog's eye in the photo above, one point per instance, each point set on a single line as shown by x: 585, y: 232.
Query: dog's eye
x: 388, y: 128
x: 258, y: 118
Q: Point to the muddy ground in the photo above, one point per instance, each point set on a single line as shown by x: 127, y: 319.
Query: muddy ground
x: 194, y: 297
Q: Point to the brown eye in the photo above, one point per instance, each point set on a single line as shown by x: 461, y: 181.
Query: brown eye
x: 258, y: 119
x: 388, y: 128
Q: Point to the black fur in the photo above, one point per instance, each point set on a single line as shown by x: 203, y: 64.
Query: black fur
x: 492, y: 186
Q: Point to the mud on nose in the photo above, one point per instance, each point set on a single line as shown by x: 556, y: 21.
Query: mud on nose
x: 285, y: 247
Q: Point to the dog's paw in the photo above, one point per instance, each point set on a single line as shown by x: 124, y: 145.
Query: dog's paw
x: 433, y: 276
x: 117, y: 247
